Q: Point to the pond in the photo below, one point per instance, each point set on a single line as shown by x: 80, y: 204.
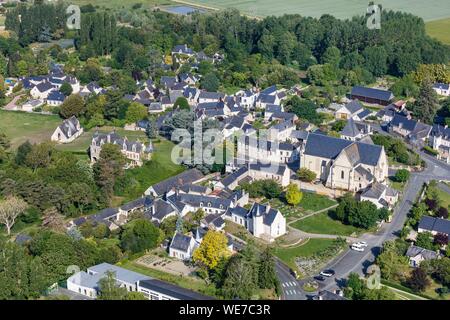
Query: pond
x: 184, y: 10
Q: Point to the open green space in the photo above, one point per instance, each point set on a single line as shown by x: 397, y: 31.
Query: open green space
x: 444, y: 197
x: 428, y: 10
x: 439, y: 29
x: 159, y: 168
x: 311, y: 202
x: 22, y: 126
x: 288, y: 255
x: 117, y: 4
x: 322, y: 223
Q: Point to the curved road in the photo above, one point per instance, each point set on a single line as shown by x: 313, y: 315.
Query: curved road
x: 353, y: 261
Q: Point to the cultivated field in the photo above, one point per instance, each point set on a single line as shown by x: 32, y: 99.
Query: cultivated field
x: 439, y: 29
x: 428, y: 10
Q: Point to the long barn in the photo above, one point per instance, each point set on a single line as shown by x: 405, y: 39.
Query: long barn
x: 371, y: 95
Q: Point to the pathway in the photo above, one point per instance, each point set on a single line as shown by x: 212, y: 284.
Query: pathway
x: 12, y: 104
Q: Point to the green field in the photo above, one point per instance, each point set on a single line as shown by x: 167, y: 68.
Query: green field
x: 428, y: 10
x: 288, y: 255
x: 22, y: 126
x: 439, y: 29
x: 122, y: 3
x: 322, y: 223
x: 444, y: 197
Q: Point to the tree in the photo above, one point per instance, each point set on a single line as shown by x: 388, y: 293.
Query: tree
x: 306, y: 175
x: 10, y: 209
x: 109, y: 289
x: 152, y: 130
x: 212, y: 248
x: 267, y: 278
x: 239, y: 282
x: 393, y: 264
x: 375, y: 60
x: 419, y: 280
x: 402, y: 175
x: 66, y: 89
x: 210, y: 82
x: 39, y: 156
x: 198, y: 215
x: 140, y: 235
x: 22, y: 152
x: 293, y: 194
x: 72, y: 106
x: 425, y: 240
x: 427, y: 104
x: 181, y: 103
x: 135, y: 112
x: 442, y: 213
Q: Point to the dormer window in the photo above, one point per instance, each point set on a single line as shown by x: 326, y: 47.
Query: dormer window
x: 201, y: 204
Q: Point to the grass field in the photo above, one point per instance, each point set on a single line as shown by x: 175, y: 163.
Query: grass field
x: 322, y: 223
x: 428, y: 10
x: 444, y: 197
x: 22, y: 126
x: 311, y: 202
x: 439, y: 29
x: 288, y: 255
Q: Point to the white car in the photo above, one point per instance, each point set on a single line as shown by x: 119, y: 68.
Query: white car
x: 357, y: 248
x: 361, y: 244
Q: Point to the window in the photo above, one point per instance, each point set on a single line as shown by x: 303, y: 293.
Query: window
x: 342, y: 174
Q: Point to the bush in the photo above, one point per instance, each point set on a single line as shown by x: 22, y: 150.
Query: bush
x: 402, y: 175
x: 306, y: 175
x: 430, y: 150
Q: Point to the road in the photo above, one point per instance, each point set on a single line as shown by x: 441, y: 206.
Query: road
x: 353, y: 261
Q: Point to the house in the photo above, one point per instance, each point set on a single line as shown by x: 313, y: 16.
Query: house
x: 186, y: 177
x: 232, y: 180
x: 271, y: 109
x: 182, y: 247
x: 281, y: 131
x: 168, y: 82
x: 67, y: 131
x: 417, y: 254
x: 248, y: 98
x: 188, y: 78
x: 380, y: 195
x: 256, y: 149
x: 388, y: 113
x: 235, y: 124
x: 261, y: 220
x: 278, y: 172
x: 353, y: 110
x: 272, y: 91
x: 440, y: 141
x: 442, y: 89
x: 434, y: 225
x: 354, y: 131
x: 185, y: 203
x: 157, y: 210
x: 87, y: 283
x: 413, y: 131
x: 32, y: 104
x: 344, y: 164
x: 42, y: 90
x: 371, y: 95
x: 55, y: 98
x: 135, y: 151
x: 154, y: 289
x: 182, y: 49
x: 213, y: 222
x: 205, y: 97
x: 266, y: 99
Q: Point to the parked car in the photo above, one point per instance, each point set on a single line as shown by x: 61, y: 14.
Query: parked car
x: 319, y: 278
x: 328, y: 273
x: 361, y: 244
x: 357, y: 248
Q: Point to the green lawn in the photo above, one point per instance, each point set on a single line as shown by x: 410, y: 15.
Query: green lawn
x: 288, y: 255
x: 311, y: 202
x: 322, y: 223
x: 444, y: 197
x: 439, y: 29
x: 439, y: 9
x: 22, y: 126
x: 182, y: 281
x: 159, y: 168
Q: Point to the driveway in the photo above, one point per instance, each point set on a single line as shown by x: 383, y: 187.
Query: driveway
x: 12, y: 104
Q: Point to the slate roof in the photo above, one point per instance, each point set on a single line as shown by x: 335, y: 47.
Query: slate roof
x: 414, y: 251
x: 416, y: 129
x: 278, y: 169
x: 183, y: 48
x: 266, y: 211
x: 228, y: 180
x: 135, y: 204
x: 354, y: 106
x: 167, y: 81
x: 105, y: 214
x: 162, y: 209
x: 133, y: 146
x: 375, y: 191
x: 329, y: 147
x: 172, y: 290
x: 350, y: 129
x: 56, y: 96
x: 269, y: 90
x: 272, y: 108
x: 440, y: 131
x: 44, y: 86
x: 435, y: 224
x: 364, y: 114
x: 69, y: 126
x: 266, y: 98
x: 441, y: 86
x: 189, y: 176
x: 211, y: 95
x: 181, y: 242
x: 238, y: 210
x: 201, y: 201
x: 372, y: 93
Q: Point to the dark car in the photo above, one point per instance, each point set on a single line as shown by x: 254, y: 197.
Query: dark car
x: 319, y: 278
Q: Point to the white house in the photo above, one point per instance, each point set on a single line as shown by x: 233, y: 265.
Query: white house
x: 417, y: 254
x: 380, y: 195
x: 32, y: 104
x: 42, y: 90
x: 67, y: 131
x: 55, y: 98
x: 442, y: 89
x: 440, y: 141
x: 261, y: 220
x: 182, y: 247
